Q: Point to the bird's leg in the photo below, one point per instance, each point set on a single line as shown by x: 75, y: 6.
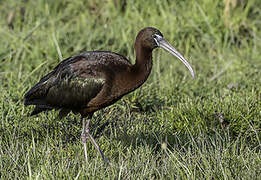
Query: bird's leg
x: 84, y: 138
x: 85, y: 135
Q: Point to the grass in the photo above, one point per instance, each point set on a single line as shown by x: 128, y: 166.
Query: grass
x: 168, y: 129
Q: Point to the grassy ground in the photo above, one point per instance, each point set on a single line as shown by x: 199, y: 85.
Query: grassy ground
x: 172, y: 127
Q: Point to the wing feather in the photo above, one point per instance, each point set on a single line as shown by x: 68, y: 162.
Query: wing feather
x: 74, y: 82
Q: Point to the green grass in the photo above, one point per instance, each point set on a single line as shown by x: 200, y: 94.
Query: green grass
x: 167, y: 129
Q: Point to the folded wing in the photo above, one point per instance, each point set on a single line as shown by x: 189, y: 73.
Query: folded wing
x: 71, y: 85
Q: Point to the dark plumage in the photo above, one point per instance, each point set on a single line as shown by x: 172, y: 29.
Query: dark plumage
x: 76, y: 81
x: 93, y: 80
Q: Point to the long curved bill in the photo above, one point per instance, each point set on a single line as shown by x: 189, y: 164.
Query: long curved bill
x: 167, y: 46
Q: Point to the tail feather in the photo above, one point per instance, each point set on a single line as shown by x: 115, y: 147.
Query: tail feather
x: 39, y: 109
x: 28, y: 101
x: 36, y: 95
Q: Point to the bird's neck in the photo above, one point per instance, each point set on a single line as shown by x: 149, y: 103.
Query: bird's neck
x: 136, y: 74
x: 142, y: 67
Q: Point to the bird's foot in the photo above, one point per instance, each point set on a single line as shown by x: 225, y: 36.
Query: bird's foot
x: 105, y: 159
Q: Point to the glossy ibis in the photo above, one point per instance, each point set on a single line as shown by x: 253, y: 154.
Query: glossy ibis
x: 93, y: 80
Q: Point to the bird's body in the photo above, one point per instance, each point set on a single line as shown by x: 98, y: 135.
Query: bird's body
x: 85, y: 83
x: 93, y: 80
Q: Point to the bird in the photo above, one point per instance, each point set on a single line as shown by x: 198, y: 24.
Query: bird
x: 92, y: 80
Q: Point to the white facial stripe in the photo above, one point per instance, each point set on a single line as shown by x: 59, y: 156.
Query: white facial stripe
x: 156, y: 41
x: 157, y: 38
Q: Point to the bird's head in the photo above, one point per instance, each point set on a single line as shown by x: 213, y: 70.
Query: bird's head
x: 151, y: 38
